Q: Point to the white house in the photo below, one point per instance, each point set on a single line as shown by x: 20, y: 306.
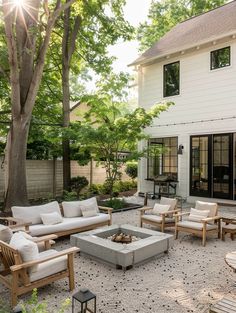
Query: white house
x: 193, y: 65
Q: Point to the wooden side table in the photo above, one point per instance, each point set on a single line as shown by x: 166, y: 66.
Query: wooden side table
x: 226, y: 304
x: 231, y: 229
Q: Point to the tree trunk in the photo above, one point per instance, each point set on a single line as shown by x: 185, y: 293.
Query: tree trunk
x: 16, y: 163
x: 66, y: 122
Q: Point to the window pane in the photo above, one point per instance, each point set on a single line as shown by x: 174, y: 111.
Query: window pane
x: 162, y: 159
x: 171, y: 79
x: 220, y: 58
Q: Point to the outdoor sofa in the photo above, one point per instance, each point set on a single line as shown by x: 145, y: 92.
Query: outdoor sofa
x: 64, y: 219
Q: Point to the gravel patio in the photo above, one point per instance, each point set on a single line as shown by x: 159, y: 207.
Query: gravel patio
x: 188, y: 279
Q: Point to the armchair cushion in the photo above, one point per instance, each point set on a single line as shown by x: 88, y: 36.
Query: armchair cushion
x: 32, y: 213
x: 160, y: 208
x: 5, y: 233
x: 169, y: 201
x: 158, y: 218
x: 50, y: 267
x: 196, y: 225
x: 212, y: 207
x: 27, y: 248
x: 198, y: 215
x: 51, y: 218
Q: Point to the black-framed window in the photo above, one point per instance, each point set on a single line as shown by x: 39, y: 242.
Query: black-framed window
x: 171, y: 77
x: 220, y: 58
x: 163, y: 157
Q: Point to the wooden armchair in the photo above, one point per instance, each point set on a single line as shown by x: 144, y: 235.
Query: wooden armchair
x: 163, y: 220
x: 51, y: 266
x: 210, y: 224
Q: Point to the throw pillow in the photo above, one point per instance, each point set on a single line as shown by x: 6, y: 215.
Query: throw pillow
x: 88, y: 211
x: 198, y: 215
x: 160, y: 208
x: 5, y: 233
x: 27, y: 249
x: 51, y: 218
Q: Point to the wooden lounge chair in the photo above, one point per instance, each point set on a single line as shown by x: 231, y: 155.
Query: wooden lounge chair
x: 209, y: 224
x: 52, y: 266
x: 163, y: 220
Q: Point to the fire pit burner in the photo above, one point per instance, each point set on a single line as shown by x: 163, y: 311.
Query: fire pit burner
x: 122, y: 238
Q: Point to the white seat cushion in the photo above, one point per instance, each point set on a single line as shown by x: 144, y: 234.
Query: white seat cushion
x: 158, y: 219
x: 67, y: 224
x: 50, y: 267
x: 169, y: 201
x: 195, y: 225
x: 32, y: 213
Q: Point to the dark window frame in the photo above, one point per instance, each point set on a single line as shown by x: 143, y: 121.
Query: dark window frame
x: 162, y: 156
x: 211, y: 58
x: 164, y: 80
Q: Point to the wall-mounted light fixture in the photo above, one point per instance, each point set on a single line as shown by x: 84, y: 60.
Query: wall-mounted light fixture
x: 180, y: 149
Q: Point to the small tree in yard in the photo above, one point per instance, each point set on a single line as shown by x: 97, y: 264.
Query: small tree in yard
x: 108, y: 128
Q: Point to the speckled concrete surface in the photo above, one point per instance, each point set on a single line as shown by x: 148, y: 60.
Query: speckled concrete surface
x: 188, y: 279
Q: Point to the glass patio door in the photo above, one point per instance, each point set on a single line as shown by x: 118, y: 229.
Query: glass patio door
x: 222, y: 179
x: 200, y: 170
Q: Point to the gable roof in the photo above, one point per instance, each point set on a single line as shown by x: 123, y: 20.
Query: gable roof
x: 193, y: 32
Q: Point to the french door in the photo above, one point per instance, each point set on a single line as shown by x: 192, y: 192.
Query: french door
x: 211, y: 166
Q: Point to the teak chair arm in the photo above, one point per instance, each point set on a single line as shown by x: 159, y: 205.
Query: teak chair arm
x: 143, y: 209
x: 45, y: 259
x: 210, y: 219
x: 45, y: 238
x: 104, y: 208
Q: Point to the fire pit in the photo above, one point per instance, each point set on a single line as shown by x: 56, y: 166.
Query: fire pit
x: 147, y: 243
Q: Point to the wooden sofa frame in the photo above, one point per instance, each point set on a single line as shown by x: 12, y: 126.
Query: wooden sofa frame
x: 17, y: 223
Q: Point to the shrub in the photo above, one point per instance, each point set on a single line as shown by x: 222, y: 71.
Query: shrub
x: 34, y: 306
x: 70, y: 196
x: 114, y: 203
x: 78, y: 183
x: 132, y: 169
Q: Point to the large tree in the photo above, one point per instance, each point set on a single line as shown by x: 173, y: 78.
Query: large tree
x: 28, y: 27
x: 165, y: 14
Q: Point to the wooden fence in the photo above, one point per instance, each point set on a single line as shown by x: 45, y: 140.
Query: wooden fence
x: 44, y: 177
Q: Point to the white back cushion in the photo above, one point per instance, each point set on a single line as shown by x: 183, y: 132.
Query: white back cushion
x: 212, y: 207
x: 169, y: 201
x: 198, y: 215
x: 5, y: 233
x: 27, y: 248
x: 51, y: 218
x: 71, y: 208
x: 160, y: 208
x: 32, y: 213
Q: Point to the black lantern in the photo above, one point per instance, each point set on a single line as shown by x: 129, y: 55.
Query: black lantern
x: 180, y: 149
x: 83, y: 296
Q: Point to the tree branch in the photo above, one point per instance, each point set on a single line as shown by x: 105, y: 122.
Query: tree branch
x: 71, y: 49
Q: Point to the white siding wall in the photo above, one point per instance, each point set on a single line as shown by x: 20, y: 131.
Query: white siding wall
x: 204, y: 94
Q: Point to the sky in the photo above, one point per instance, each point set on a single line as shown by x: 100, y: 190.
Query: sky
x: 135, y: 11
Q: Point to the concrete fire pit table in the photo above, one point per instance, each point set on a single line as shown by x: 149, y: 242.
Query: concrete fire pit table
x: 150, y: 244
